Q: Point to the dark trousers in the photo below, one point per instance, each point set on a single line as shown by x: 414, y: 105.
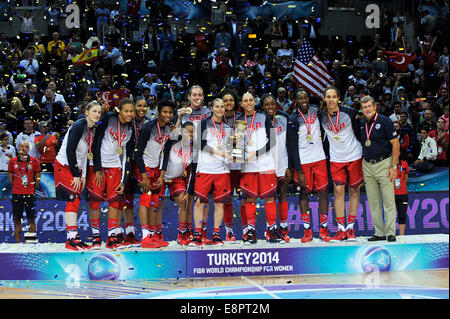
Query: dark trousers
x: 23, y: 202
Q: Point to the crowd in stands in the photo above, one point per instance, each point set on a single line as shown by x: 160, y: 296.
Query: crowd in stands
x: 39, y: 82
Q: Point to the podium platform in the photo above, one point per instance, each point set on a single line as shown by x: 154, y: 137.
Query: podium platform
x: 47, y: 261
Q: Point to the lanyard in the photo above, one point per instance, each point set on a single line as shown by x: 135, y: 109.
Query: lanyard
x: 119, y: 134
x: 234, y: 120
x: 26, y: 166
x: 368, y: 132
x: 137, y: 129
x: 185, y: 159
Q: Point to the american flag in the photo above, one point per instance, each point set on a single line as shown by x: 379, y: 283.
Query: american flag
x: 310, y: 72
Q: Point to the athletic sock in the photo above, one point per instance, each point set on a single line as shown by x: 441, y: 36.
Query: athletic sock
x: 71, y: 232
x: 112, y: 226
x: 306, y: 218
x: 145, y: 231
x: 250, y: 209
x: 323, y: 220
x: 341, y: 223
x: 182, y: 227
x: 283, y: 210
x: 243, y: 218
x: 351, y: 221
x: 271, y: 214
x: 228, y: 216
x: 129, y: 228
x: 95, y: 227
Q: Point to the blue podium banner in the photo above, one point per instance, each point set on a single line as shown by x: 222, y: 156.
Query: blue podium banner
x: 428, y: 213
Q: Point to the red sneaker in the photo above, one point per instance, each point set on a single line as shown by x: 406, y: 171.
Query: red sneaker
x: 324, y: 234
x: 130, y: 240
x: 96, y: 243
x: 182, y: 239
x: 284, y: 235
x: 205, y: 239
x: 151, y: 241
x: 75, y: 244
x: 197, y: 241
x: 340, y: 235
x: 230, y: 238
x: 308, y: 236
x: 216, y: 240
x: 162, y: 242
x: 350, y: 233
x: 112, y: 243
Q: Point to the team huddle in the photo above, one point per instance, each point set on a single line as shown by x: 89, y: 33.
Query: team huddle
x: 199, y: 152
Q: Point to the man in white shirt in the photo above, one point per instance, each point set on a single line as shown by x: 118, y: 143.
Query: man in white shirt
x: 28, y: 135
x: 428, y: 153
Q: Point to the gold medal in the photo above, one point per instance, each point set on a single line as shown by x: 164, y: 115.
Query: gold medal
x: 219, y: 148
x: 250, y: 143
x: 90, y: 156
x: 184, y: 173
x: 188, y: 110
x: 368, y: 143
x: 309, y: 137
x: 336, y: 138
x: 119, y: 150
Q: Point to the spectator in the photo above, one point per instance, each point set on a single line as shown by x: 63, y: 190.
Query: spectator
x: 102, y: 15
x: 3, y: 130
x: 290, y: 29
x: 150, y: 44
x: 30, y: 64
x: 55, y: 47
x: 285, y: 50
x: 46, y: 145
x: 241, y: 82
x: 27, y: 27
x: 239, y: 45
x: 114, y: 55
x: 428, y: 153
x: 53, y: 13
x: 441, y: 136
x: 166, y: 42
x: 403, y: 139
x: 223, y: 39
x: 445, y: 117
x: 283, y: 102
x: 6, y: 153
x: 222, y: 66
x: 427, y: 121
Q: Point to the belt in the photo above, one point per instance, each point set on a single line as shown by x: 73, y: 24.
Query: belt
x: 379, y: 159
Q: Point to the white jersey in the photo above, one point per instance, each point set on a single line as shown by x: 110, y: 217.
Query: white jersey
x: 280, y: 123
x: 177, y: 158
x: 111, y: 135
x: 75, y: 147
x: 259, y: 138
x: 309, y: 151
x: 346, y: 146
x: 150, y: 145
x: 213, y: 136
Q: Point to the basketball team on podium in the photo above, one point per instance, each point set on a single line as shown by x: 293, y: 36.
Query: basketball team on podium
x: 199, y: 153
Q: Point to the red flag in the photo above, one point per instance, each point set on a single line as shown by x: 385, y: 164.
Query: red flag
x: 113, y: 97
x: 399, y: 61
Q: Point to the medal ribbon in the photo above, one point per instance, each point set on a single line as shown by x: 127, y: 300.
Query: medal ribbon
x: 185, y: 159
x: 308, y: 127
x: 161, y: 137
x: 335, y: 126
x: 90, y: 139
x: 137, y: 129
x: 368, y: 132
x: 119, y: 134
x: 250, y: 127
x: 218, y: 134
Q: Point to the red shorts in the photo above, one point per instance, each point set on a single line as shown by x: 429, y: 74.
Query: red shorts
x: 63, y: 180
x: 177, y: 186
x: 350, y: 172
x: 219, y: 184
x: 259, y: 184
x: 107, y: 190
x: 235, y: 179
x: 153, y: 175
x: 316, y: 177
